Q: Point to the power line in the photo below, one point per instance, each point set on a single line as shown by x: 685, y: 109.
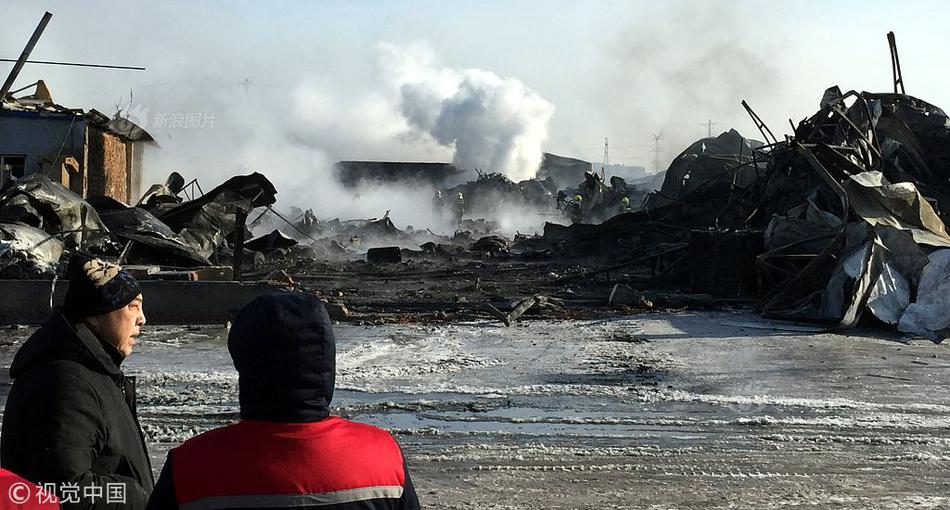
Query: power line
x: 74, y: 64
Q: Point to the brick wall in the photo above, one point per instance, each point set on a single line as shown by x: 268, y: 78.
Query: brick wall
x: 106, y: 170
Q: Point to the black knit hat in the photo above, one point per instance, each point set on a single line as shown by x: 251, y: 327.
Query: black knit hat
x: 284, y: 351
x: 97, y: 287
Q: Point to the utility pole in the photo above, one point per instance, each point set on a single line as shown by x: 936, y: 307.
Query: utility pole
x: 709, y: 124
x: 656, y: 151
x: 603, y: 169
x: 245, y: 83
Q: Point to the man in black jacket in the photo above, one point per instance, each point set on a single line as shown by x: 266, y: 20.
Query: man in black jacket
x: 287, y: 450
x: 70, y: 417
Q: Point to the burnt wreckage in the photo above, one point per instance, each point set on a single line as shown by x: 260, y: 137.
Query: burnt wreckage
x: 40, y: 218
x: 842, y: 220
x: 845, y: 216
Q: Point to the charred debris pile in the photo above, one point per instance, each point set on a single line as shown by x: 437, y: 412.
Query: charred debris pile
x: 40, y: 219
x: 844, y: 219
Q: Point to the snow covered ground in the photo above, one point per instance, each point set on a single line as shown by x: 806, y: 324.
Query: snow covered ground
x: 691, y: 410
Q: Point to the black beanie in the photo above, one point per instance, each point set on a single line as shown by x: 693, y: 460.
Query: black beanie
x: 284, y: 351
x: 97, y: 287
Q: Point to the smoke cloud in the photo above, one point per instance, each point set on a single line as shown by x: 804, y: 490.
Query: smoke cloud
x: 693, y: 61
x: 494, y: 124
x: 413, y: 110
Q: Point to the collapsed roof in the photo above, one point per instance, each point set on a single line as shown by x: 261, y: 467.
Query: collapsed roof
x: 182, y: 235
x: 851, y: 211
x: 41, y: 102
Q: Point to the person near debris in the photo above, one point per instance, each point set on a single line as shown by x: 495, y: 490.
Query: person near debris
x: 625, y: 205
x: 438, y: 205
x: 70, y: 418
x: 576, y: 209
x: 561, y: 201
x: 309, y: 221
x: 286, y: 450
x: 459, y: 208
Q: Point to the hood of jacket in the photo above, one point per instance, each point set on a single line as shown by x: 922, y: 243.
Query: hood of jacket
x: 284, y: 350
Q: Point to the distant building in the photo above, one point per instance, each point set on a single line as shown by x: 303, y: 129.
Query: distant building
x: 88, y: 152
x: 355, y: 173
x: 629, y: 173
x: 565, y: 171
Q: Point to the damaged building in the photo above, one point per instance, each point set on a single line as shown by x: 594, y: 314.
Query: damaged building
x: 351, y: 174
x: 86, y: 151
x: 844, y: 219
x: 563, y: 170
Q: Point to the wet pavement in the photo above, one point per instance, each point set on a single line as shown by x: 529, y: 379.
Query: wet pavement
x: 690, y: 410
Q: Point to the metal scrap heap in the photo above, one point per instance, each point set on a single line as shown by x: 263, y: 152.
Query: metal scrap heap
x: 846, y: 216
x: 39, y: 218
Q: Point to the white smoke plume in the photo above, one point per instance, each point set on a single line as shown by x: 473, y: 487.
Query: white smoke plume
x: 416, y: 111
x: 494, y: 124
x: 288, y: 111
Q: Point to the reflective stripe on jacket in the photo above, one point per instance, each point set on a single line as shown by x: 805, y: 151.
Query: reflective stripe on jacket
x: 331, y: 463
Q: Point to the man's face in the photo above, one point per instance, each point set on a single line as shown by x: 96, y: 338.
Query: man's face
x: 120, y: 327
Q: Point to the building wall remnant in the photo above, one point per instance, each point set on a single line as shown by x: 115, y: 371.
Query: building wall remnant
x: 106, y: 165
x: 35, y: 136
x: 134, y: 155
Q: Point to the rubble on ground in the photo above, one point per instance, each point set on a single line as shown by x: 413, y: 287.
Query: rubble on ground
x: 27, y: 252
x: 168, y: 232
x: 841, y: 218
x: 37, y: 201
x: 489, y: 193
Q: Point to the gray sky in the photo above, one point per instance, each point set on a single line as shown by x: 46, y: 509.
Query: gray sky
x: 328, y: 80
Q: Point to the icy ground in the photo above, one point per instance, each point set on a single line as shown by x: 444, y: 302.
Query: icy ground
x: 694, y: 410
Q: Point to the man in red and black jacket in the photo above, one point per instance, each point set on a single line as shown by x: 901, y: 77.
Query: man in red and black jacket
x: 287, y: 451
